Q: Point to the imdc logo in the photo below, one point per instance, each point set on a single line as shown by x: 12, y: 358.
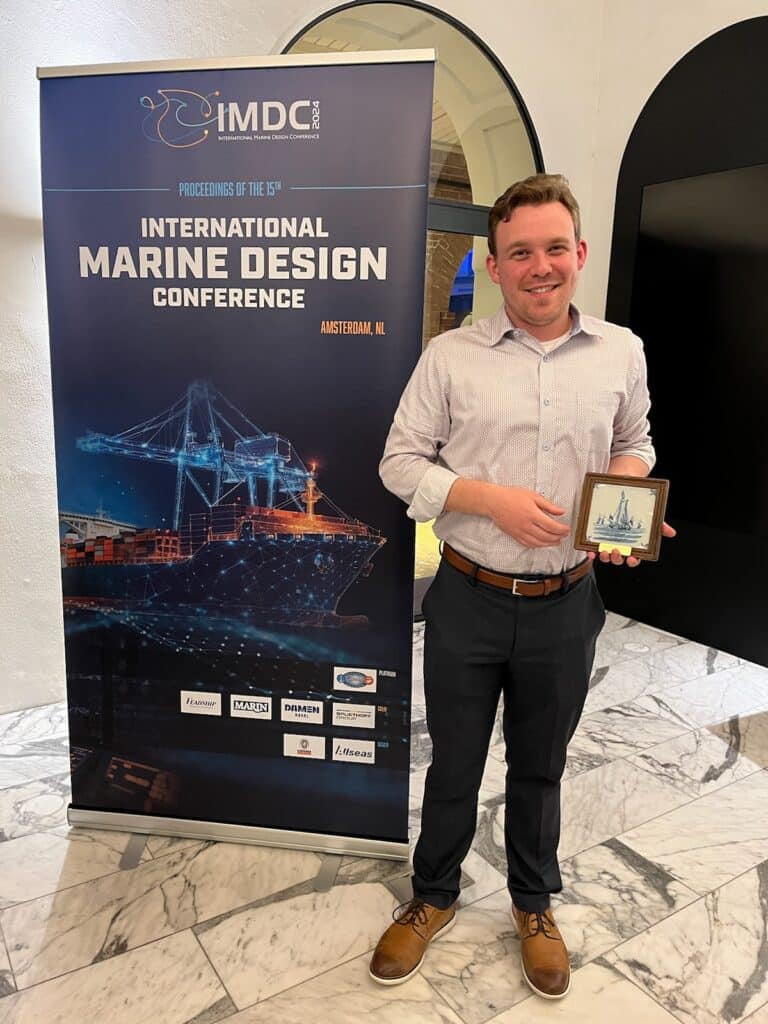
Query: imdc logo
x: 182, y: 118
x: 356, y: 716
x: 268, y: 116
x: 245, y: 706
x: 304, y: 746
x: 345, y: 678
x: 301, y: 710
x: 359, y: 751
x: 195, y: 702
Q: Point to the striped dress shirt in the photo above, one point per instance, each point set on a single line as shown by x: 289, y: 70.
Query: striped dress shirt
x: 489, y: 402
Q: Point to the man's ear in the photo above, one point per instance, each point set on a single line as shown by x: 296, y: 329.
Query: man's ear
x: 492, y: 268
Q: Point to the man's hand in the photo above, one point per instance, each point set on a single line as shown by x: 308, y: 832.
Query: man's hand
x: 616, y: 558
x: 527, y: 517
x: 524, y: 515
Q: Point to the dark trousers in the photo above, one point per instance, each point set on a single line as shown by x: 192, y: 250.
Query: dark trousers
x: 481, y: 641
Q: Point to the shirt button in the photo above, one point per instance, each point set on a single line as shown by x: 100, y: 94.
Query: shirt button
x: 545, y: 447
x: 546, y: 359
x: 547, y: 401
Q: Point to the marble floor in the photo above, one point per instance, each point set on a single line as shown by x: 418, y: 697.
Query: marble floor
x: 664, y: 859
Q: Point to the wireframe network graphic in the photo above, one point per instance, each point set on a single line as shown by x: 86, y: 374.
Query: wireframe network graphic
x: 247, y: 539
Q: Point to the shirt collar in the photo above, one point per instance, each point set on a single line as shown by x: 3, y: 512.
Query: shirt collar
x: 501, y: 326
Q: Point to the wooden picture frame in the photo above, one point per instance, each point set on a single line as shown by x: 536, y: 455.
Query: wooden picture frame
x: 624, y: 512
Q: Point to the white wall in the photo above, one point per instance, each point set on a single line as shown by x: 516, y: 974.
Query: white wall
x: 584, y: 70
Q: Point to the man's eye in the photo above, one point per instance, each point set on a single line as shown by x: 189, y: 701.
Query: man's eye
x: 519, y: 254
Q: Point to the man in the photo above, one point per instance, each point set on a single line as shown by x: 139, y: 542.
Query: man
x: 493, y: 435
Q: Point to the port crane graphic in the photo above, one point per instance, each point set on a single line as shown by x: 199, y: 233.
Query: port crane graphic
x: 204, y: 433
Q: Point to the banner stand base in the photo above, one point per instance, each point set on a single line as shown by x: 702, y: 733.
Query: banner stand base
x: 222, y: 832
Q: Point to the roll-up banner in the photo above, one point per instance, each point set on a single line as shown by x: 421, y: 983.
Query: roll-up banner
x: 235, y: 264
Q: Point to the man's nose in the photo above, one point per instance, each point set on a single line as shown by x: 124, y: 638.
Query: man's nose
x: 541, y: 264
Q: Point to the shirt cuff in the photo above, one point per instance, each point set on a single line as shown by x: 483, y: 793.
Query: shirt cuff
x: 645, y: 454
x: 431, y: 494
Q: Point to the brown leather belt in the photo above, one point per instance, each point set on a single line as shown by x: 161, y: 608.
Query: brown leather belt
x: 523, y: 588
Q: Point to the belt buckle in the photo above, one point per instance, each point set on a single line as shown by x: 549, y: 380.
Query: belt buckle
x: 515, y: 591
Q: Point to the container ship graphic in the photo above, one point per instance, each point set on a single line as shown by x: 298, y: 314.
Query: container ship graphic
x: 266, y: 554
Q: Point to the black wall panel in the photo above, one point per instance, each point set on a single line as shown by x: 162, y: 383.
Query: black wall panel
x: 689, y: 273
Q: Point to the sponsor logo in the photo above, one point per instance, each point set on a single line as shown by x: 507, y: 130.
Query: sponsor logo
x: 357, y: 716
x: 304, y: 746
x: 301, y: 710
x: 345, y: 678
x: 197, y: 702
x: 244, y: 706
x: 183, y: 118
x: 358, y: 751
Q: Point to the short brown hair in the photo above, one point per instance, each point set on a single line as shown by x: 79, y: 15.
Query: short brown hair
x: 533, y: 191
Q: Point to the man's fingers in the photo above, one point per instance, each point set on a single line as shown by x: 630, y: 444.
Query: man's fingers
x: 548, y: 506
x: 667, y: 530
x: 551, y: 526
x: 533, y: 538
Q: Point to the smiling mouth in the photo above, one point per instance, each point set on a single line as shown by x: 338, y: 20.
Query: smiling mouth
x: 543, y: 289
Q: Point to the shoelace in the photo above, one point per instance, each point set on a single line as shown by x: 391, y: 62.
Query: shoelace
x: 413, y: 913
x: 539, y: 926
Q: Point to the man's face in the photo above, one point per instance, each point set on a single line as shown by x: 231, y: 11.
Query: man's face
x: 537, y: 266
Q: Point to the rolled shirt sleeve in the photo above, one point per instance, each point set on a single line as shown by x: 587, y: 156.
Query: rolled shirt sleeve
x: 411, y: 466
x: 631, y: 429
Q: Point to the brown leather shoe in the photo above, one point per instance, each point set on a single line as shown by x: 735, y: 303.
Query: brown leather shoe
x: 401, y: 948
x: 545, y: 958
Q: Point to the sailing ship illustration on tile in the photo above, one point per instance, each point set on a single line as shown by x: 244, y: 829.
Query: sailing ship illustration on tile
x: 627, y: 521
